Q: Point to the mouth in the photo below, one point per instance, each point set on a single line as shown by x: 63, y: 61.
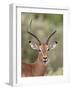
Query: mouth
x: 45, y: 61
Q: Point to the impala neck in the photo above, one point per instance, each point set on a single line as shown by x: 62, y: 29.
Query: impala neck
x: 39, y: 59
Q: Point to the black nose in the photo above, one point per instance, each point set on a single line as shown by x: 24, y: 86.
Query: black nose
x: 44, y: 57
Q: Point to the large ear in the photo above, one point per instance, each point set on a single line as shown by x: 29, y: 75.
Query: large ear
x: 33, y: 45
x: 53, y: 45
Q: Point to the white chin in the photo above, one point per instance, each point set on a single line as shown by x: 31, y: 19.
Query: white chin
x: 45, y: 61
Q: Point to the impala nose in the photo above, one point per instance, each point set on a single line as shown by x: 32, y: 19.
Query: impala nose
x: 44, y: 57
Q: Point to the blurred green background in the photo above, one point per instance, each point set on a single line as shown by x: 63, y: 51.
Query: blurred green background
x: 42, y: 26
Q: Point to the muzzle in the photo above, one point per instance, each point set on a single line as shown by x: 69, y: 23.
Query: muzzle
x: 45, y: 60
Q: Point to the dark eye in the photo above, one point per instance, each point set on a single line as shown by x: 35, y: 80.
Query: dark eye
x: 39, y: 50
x: 48, y: 49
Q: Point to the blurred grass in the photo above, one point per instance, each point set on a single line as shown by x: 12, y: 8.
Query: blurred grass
x: 42, y: 26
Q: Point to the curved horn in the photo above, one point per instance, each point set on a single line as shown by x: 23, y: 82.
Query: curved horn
x: 50, y: 37
x: 29, y: 29
x: 35, y: 37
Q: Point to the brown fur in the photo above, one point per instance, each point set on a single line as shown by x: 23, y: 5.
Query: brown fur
x: 38, y: 68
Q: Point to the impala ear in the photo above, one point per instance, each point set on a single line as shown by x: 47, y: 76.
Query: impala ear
x: 53, y: 45
x: 33, y: 45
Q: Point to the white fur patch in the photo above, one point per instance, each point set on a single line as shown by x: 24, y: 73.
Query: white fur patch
x: 34, y: 46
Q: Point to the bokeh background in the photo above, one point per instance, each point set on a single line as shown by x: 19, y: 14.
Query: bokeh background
x: 42, y: 26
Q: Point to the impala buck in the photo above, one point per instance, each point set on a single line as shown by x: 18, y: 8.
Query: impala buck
x: 39, y: 67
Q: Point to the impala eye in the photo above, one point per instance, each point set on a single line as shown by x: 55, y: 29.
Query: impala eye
x: 48, y: 49
x: 39, y: 50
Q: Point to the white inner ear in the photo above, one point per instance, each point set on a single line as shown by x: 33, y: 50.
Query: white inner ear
x: 34, y: 46
x: 54, y: 45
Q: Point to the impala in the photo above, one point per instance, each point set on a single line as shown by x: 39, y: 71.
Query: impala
x: 39, y: 67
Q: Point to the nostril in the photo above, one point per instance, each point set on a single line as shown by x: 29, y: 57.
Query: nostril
x: 44, y: 57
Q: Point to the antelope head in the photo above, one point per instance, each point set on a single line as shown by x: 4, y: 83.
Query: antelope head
x: 42, y: 48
